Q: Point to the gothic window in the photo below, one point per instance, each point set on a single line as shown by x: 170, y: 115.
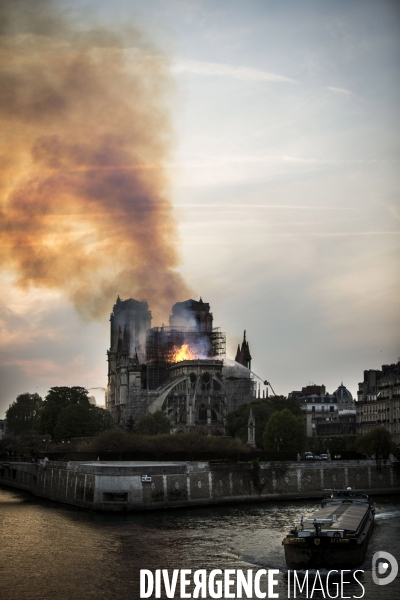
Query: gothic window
x: 216, y: 385
x: 213, y: 415
x: 205, y: 378
x: 203, y: 412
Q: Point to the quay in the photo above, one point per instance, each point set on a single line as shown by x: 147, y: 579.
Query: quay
x: 141, y: 485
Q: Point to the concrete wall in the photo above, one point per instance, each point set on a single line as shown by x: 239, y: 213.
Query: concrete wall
x: 120, y: 486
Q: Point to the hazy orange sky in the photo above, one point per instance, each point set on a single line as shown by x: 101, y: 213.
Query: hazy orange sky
x: 244, y: 152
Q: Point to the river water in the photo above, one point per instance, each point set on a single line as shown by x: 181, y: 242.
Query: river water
x: 49, y: 551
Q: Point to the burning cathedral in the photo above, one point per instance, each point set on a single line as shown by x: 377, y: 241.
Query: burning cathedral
x: 180, y: 369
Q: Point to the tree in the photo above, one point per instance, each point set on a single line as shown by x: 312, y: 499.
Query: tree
x: 73, y: 421
x: 263, y: 409
x: 7, y: 444
x: 158, y: 445
x: 80, y: 420
x: 333, y: 443
x: 131, y: 424
x: 101, y: 419
x: 285, y: 432
x: 192, y: 444
x: 23, y: 413
x: 116, y: 441
x: 56, y: 400
x: 28, y: 444
x: 376, y: 441
x: 154, y: 424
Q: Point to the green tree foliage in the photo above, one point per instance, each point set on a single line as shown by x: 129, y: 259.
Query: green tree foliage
x: 79, y: 420
x: 23, y: 413
x: 101, y: 419
x: 285, y: 433
x: 263, y: 409
x: 333, y: 443
x: 56, y: 400
x: 376, y: 441
x: 28, y: 444
x: 131, y: 424
x: 192, y: 444
x: 159, y: 445
x: 67, y: 413
x: 153, y: 424
x: 74, y: 420
x: 115, y: 441
x: 7, y: 444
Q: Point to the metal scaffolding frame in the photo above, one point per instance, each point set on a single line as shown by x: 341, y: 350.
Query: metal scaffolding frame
x: 239, y: 391
x: 163, y: 342
x: 137, y: 405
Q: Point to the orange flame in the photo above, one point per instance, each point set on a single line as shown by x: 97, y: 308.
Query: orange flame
x: 184, y: 353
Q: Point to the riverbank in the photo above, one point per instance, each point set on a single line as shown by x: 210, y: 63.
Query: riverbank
x: 52, y: 551
x: 129, y: 486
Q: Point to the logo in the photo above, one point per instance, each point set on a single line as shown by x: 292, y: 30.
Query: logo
x: 317, y: 541
x: 380, y: 566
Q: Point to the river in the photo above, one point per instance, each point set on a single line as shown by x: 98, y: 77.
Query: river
x: 49, y: 551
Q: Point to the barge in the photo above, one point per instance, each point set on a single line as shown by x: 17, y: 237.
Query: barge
x: 335, y: 537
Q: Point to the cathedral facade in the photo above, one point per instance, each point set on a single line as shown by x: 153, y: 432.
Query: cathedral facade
x: 180, y: 369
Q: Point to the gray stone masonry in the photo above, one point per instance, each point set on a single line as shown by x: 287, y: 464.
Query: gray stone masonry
x: 121, y: 486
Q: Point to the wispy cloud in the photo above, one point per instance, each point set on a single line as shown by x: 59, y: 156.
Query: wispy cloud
x: 337, y: 90
x: 47, y: 369
x: 226, y: 70
x: 258, y: 239
x: 209, y: 161
x: 232, y: 207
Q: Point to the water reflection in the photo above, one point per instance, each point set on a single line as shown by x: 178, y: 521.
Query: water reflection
x: 50, y: 551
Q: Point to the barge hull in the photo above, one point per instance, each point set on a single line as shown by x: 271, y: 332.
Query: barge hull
x: 325, y: 556
x: 342, y: 545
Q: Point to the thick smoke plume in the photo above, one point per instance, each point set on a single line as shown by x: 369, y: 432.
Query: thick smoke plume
x: 84, y: 204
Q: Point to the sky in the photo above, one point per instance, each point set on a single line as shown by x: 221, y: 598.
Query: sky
x: 243, y: 151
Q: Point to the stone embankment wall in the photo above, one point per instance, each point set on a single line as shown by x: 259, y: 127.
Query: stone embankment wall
x: 142, y: 485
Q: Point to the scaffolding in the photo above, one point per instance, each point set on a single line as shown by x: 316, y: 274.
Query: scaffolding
x: 137, y: 405
x: 239, y: 391
x: 163, y: 342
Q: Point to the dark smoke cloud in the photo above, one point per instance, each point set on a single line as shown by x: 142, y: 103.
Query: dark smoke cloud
x: 84, y: 204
